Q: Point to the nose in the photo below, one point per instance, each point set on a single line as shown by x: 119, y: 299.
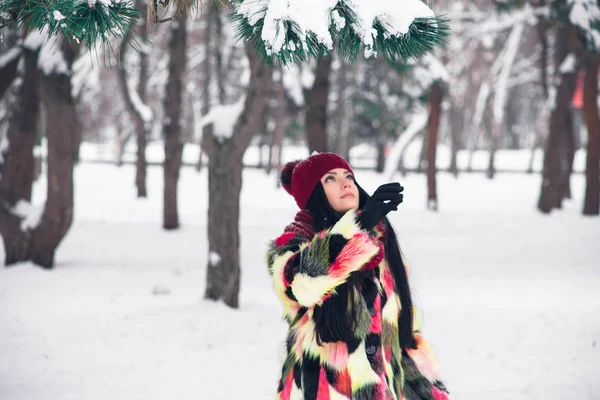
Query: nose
x: 346, y: 184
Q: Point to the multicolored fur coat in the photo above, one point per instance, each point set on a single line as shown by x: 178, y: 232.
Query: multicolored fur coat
x: 306, y: 269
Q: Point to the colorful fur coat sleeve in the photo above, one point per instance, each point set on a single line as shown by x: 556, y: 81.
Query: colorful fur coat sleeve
x: 305, y: 272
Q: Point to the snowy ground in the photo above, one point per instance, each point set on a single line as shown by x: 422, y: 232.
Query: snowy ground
x: 509, y: 297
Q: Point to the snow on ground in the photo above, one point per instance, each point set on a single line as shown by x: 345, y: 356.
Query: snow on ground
x: 509, y: 297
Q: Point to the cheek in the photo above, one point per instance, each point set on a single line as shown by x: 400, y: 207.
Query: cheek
x: 330, y: 192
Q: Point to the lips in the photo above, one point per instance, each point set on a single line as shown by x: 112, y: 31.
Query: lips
x: 347, y: 196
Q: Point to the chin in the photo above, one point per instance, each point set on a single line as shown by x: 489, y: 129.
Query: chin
x: 346, y: 206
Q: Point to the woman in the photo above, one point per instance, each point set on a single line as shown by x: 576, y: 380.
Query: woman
x: 339, y: 273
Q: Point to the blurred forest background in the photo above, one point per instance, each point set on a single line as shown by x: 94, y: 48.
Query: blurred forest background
x: 514, y: 78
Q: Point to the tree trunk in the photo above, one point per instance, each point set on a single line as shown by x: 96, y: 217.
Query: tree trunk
x: 17, y: 169
x: 455, y: 126
x: 141, y: 164
x: 224, y: 188
x: 172, y: 126
x: 592, y: 121
x: 141, y: 122
x: 435, y: 101
x: 382, y: 133
x: 280, y: 125
x: 555, y: 175
x: 315, y: 100
x: 63, y: 133
x: 346, y: 90
x: 423, y: 154
x: 208, y: 36
x: 495, y: 136
x: 8, y: 68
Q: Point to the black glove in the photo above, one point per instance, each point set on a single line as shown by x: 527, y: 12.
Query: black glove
x: 385, y: 199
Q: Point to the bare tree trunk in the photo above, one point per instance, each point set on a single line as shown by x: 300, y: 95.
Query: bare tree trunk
x: 435, y: 101
x: 207, y: 130
x: 495, y: 135
x: 423, y: 154
x: 17, y: 169
x: 590, y: 107
x: 63, y: 132
x: 280, y: 124
x: 382, y: 133
x: 8, y: 68
x: 141, y: 135
x: 555, y: 175
x: 315, y: 100
x: 224, y: 187
x: 455, y: 126
x: 172, y: 126
x: 124, y: 134
x: 345, y: 113
x: 542, y: 30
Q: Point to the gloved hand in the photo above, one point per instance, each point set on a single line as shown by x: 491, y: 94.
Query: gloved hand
x: 386, y: 198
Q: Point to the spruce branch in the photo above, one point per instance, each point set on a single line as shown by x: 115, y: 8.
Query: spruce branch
x: 85, y: 21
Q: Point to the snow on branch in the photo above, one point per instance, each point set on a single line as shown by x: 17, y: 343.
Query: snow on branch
x: 52, y: 60
x: 293, y: 30
x: 87, y: 21
x: 10, y: 56
x: 141, y: 109
x: 501, y: 89
x: 585, y: 14
x: 29, y: 214
x: 223, y: 118
x: 417, y: 124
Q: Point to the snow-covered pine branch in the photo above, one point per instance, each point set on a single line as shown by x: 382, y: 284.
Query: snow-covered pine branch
x: 291, y: 31
x: 86, y: 21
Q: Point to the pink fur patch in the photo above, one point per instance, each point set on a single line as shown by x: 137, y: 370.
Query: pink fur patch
x: 439, y: 395
x: 336, y: 354
x: 358, y: 246
x: 376, y: 320
x: 323, y: 392
x: 284, y: 239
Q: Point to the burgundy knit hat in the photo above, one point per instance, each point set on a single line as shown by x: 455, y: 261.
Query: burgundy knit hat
x: 299, y: 178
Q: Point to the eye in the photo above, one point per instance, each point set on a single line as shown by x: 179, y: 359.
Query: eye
x: 330, y: 179
x: 350, y: 177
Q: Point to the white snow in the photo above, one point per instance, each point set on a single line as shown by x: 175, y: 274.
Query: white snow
x: 51, y: 59
x: 223, y: 118
x: 144, y: 111
x: 396, y: 20
x: 4, y: 146
x: 30, y: 214
x: 585, y: 13
x: 9, y: 56
x: 214, y: 258
x: 509, y: 297
x: 417, y: 124
x: 58, y: 16
x: 35, y: 39
x: 568, y: 65
x: 501, y: 86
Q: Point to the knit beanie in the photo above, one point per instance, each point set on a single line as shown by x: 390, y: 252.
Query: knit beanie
x: 299, y: 178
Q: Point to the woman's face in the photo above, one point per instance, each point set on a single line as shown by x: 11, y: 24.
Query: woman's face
x: 340, y: 189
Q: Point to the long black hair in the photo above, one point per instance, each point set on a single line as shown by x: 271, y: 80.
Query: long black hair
x: 331, y: 325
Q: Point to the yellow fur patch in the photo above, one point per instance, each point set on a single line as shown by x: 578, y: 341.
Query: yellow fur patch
x: 391, y: 309
x: 360, y: 369
x: 346, y: 226
x: 310, y: 290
